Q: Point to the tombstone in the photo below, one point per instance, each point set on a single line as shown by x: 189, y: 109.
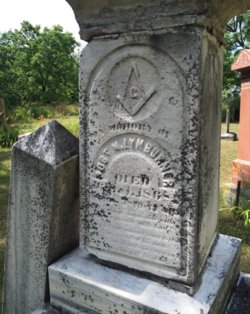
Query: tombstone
x: 150, y: 84
x: 241, y: 166
x: 228, y: 135
x: 150, y: 81
x: 43, y: 215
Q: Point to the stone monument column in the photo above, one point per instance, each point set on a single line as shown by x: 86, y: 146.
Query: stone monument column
x: 150, y: 86
x: 242, y: 164
x: 150, y: 121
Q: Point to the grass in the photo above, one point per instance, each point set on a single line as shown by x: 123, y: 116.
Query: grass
x: 68, y: 116
x: 229, y: 223
x: 4, y: 183
x: 228, y: 154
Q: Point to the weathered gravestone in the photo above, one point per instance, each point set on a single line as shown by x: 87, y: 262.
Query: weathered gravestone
x: 150, y: 83
x: 43, y: 214
x: 228, y: 135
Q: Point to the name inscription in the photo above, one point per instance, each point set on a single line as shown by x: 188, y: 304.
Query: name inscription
x: 137, y: 144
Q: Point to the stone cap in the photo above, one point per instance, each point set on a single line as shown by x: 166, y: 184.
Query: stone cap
x: 109, y: 17
x: 242, y: 62
x: 51, y: 143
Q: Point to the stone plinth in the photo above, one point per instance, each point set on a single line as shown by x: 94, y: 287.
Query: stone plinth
x: 43, y: 218
x: 241, y: 166
x: 95, y: 288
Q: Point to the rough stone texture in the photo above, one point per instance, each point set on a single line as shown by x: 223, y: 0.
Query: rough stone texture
x: 99, y: 18
x: 150, y: 114
x: 43, y: 214
x: 79, y: 284
x: 239, y: 301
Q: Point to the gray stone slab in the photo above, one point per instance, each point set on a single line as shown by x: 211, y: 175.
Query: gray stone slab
x: 149, y: 178
x: 43, y: 216
x: 99, y: 18
x: 240, y: 299
x: 79, y: 284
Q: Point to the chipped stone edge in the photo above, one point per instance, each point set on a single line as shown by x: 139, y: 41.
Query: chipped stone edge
x: 83, y: 273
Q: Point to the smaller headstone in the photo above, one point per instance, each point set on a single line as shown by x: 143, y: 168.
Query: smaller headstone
x: 43, y: 214
x: 228, y: 135
x: 241, y: 166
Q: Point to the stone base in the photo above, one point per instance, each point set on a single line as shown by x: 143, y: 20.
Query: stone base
x: 47, y: 309
x: 79, y: 284
x: 240, y: 300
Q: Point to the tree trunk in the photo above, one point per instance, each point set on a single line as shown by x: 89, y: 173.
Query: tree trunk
x: 3, y: 114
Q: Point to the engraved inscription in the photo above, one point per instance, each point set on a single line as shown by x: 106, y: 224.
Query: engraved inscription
x: 133, y: 209
x: 130, y: 127
x: 135, y: 96
x: 164, y: 133
x: 137, y: 201
x: 134, y: 143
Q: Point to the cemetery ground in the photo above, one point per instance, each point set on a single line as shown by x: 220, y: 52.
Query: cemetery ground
x: 230, y: 222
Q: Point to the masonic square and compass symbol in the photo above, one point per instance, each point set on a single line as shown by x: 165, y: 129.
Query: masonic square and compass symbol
x: 136, y: 93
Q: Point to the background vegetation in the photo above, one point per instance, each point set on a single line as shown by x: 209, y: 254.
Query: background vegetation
x: 38, y: 66
x: 236, y: 39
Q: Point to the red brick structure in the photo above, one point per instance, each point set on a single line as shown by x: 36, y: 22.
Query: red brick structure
x: 241, y: 166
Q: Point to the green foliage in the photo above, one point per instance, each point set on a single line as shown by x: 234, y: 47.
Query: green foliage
x: 19, y: 114
x: 8, y: 137
x: 39, y: 112
x: 241, y: 211
x: 237, y: 38
x: 67, y: 115
x: 38, y: 66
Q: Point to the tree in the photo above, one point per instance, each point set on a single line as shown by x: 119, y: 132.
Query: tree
x: 38, y: 66
x: 237, y: 38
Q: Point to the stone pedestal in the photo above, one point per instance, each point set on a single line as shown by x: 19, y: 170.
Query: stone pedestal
x: 241, y: 166
x: 80, y: 284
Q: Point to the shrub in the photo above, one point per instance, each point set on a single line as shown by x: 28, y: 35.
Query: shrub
x: 241, y: 211
x: 20, y: 114
x: 8, y: 137
x: 38, y: 112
